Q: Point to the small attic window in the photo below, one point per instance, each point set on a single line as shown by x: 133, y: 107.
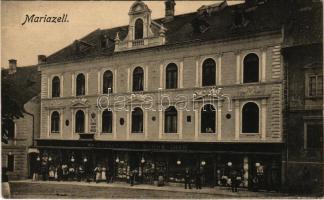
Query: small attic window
x: 104, y: 43
x: 138, y: 29
x: 199, y: 25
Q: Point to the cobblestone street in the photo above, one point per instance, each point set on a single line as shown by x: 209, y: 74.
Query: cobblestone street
x: 28, y: 189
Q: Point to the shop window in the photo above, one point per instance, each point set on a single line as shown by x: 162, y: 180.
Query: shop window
x: 251, y: 68
x: 107, y: 82
x: 209, y: 72
x: 138, y: 79
x: 79, y: 122
x: 250, y: 118
x: 8, y: 127
x: 208, y: 117
x: 56, y: 87
x: 55, y: 122
x: 106, y: 121
x: 171, y: 117
x: 137, y: 121
x: 80, y: 85
x: 315, y: 85
x: 171, y: 76
x: 138, y: 29
x: 10, y: 163
x: 314, y: 136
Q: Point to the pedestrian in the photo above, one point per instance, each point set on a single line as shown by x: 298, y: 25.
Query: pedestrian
x: 234, y: 180
x: 198, y: 178
x: 107, y: 174
x: 65, y: 171
x: 103, y: 174
x: 71, y: 172
x: 80, y: 173
x: 187, y: 178
x: 51, y: 173
x: 36, y: 169
x: 59, y: 172
x: 44, y: 169
x: 97, y: 172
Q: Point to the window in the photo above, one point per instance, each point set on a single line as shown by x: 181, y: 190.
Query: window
x: 208, y: 117
x: 56, y: 87
x: 315, y: 85
x: 107, y: 82
x: 79, y: 122
x: 250, y: 118
x: 8, y: 128
x: 171, y: 76
x: 170, y: 120
x: 137, y: 120
x: 10, y: 163
x: 107, y: 121
x: 55, y: 122
x: 138, y: 29
x: 209, y: 72
x: 314, y: 136
x: 138, y: 79
x: 80, y: 85
x: 251, y: 68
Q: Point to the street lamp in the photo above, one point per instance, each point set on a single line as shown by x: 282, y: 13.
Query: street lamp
x: 38, y: 158
x: 229, y: 164
x: 117, y: 160
x: 85, y: 160
x: 143, y: 160
x: 203, y: 163
x: 178, y: 162
x: 72, y: 159
x: 257, y: 164
x: 50, y: 158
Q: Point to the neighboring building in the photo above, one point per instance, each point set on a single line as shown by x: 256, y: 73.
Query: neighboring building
x: 22, y: 86
x: 303, y: 55
x: 236, y: 48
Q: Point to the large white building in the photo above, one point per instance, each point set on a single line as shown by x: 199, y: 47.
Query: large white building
x: 223, y: 60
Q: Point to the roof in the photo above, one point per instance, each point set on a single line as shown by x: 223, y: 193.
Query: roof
x: 19, y: 87
x: 305, y: 25
x: 217, y: 26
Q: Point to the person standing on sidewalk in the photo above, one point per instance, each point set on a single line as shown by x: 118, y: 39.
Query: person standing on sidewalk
x: 234, y: 181
x: 187, y: 176
x: 198, y: 178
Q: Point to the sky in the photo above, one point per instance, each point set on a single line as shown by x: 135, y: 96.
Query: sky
x: 25, y: 42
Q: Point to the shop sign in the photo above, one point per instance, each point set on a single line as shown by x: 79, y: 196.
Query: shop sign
x: 93, y: 123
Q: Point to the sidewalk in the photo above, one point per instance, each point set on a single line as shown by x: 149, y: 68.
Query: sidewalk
x: 207, y: 190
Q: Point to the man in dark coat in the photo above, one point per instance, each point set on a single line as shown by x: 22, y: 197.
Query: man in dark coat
x: 198, y: 178
x: 187, y: 178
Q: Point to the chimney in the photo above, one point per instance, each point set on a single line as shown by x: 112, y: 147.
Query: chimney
x: 41, y: 59
x: 169, y: 10
x: 12, y: 66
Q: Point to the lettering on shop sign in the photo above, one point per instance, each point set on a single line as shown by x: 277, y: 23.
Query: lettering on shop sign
x: 93, y: 123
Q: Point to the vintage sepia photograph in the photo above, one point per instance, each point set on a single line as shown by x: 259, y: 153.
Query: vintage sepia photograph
x: 162, y: 99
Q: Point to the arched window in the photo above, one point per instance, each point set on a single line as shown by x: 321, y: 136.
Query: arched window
x: 251, y: 68
x: 208, y: 116
x: 106, y: 121
x: 107, y: 82
x: 137, y: 120
x: 170, y: 120
x: 138, y: 29
x: 8, y: 127
x: 209, y: 72
x: 80, y: 85
x: 55, y: 122
x: 79, y: 122
x: 138, y: 79
x: 171, y: 79
x: 56, y: 87
x: 250, y: 118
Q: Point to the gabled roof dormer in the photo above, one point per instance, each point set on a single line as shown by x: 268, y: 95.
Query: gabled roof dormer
x: 142, y: 31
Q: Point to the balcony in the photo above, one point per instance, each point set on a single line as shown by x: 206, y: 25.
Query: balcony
x: 139, y: 42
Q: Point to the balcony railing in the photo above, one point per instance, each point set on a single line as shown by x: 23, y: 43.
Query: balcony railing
x: 139, y: 42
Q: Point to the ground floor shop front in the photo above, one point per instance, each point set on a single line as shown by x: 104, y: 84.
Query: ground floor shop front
x: 165, y: 163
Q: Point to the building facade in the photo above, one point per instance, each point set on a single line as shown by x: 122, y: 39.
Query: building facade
x: 203, y: 89
x: 304, y: 69
x: 20, y: 132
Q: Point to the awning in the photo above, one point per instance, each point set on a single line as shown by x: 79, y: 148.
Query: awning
x: 33, y: 150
